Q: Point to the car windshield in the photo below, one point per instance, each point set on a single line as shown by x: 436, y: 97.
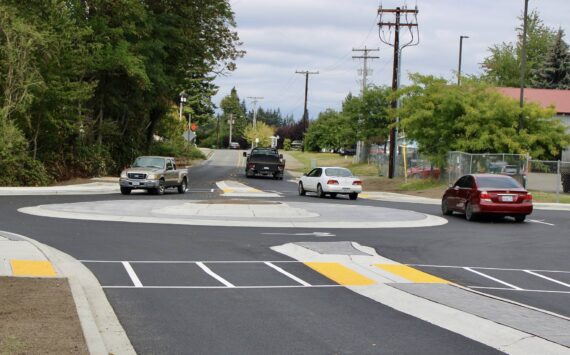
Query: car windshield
x: 340, y: 172
x: 491, y: 182
x: 149, y: 162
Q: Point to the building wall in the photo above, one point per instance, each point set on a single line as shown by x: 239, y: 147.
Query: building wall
x: 566, y: 120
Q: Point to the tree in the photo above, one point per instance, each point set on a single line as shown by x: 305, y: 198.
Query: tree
x: 262, y: 132
x: 331, y: 130
x: 369, y: 114
x: 475, y: 118
x: 231, y: 105
x: 554, y: 72
x: 502, y: 66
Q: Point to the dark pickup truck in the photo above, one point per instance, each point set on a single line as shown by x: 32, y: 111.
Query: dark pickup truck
x: 264, y: 161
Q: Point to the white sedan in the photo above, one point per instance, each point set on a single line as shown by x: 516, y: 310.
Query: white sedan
x: 331, y: 181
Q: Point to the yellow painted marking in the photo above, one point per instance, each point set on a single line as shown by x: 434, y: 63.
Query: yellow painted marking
x: 32, y: 268
x: 228, y: 190
x: 340, y: 274
x: 411, y: 274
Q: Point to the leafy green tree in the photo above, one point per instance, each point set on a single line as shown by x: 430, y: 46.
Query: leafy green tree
x: 231, y: 105
x: 369, y: 114
x: 331, y: 130
x: 262, y: 132
x: 502, y: 66
x: 554, y: 72
x: 475, y: 118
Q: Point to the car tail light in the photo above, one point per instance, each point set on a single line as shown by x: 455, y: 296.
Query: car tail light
x: 528, y: 197
x: 357, y: 182
x: 332, y: 182
x: 484, y: 196
x: 251, y: 166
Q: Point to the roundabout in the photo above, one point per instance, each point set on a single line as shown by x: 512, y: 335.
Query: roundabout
x: 239, y: 213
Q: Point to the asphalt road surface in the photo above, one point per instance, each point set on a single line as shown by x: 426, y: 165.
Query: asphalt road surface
x: 183, y: 309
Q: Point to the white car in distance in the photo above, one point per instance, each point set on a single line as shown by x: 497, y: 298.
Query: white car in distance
x: 331, y: 181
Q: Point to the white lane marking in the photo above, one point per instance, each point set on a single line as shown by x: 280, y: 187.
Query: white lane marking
x: 486, y: 268
x: 492, y: 278
x: 291, y: 276
x: 132, y: 274
x: 226, y: 288
x: 547, y: 278
x: 315, y: 234
x: 520, y: 289
x: 541, y: 222
x: 214, y: 275
x: 192, y: 261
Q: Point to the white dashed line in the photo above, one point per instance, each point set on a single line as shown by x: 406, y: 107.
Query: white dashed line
x: 541, y: 222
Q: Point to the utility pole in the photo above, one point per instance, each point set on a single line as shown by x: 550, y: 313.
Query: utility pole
x: 410, y: 22
x: 231, y: 123
x: 460, y: 56
x: 305, y: 112
x: 523, y: 64
x: 365, y: 72
x: 365, y: 57
x: 255, y: 99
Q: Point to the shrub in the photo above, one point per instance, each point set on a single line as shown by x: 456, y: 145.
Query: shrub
x: 178, y: 148
x: 287, y: 144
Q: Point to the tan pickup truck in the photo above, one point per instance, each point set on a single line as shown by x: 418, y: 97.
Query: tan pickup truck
x: 154, y: 174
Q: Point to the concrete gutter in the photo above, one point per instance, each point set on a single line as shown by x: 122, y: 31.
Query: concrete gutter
x: 102, y: 330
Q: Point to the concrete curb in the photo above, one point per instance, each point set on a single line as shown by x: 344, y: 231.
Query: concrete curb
x: 101, y: 328
x: 483, y: 330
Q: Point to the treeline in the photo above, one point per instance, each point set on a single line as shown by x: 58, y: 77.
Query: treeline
x: 86, y: 85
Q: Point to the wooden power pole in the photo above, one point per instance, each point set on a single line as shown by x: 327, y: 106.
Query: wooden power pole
x: 403, y: 18
x: 305, y: 111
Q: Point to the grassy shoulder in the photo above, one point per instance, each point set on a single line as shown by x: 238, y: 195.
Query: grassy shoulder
x: 372, y: 182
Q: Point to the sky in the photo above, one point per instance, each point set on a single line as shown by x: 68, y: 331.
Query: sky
x: 283, y: 36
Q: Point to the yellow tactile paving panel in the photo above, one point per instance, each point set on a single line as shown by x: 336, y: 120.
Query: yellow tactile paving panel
x: 411, y: 274
x: 340, y: 274
x: 38, y: 268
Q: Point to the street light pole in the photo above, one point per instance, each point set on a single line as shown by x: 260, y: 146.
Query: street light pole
x: 460, y: 55
x: 183, y: 97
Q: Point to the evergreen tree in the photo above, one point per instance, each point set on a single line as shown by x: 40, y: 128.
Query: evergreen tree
x: 554, y: 73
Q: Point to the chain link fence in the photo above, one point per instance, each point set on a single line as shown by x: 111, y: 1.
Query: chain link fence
x: 415, y: 165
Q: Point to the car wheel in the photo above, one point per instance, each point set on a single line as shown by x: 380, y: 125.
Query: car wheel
x: 161, y: 188
x: 320, y: 191
x: 183, y: 187
x: 469, y: 215
x: 302, y: 191
x: 520, y: 218
x: 333, y: 195
x: 444, y: 209
x: 125, y: 190
x: 353, y: 196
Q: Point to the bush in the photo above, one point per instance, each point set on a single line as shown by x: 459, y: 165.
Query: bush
x: 178, y: 148
x: 287, y: 144
x: 23, y: 171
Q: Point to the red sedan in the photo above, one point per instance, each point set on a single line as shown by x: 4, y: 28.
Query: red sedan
x: 479, y: 194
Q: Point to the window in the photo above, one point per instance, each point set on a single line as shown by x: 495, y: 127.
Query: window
x: 315, y: 172
x: 492, y: 182
x: 339, y: 172
x: 169, y: 165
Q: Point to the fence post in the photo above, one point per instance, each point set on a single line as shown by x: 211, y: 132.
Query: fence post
x: 471, y: 164
x: 558, y: 180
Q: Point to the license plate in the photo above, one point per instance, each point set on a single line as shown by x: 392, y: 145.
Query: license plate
x: 507, y: 198
x: 136, y: 183
x: 265, y: 168
x: 346, y: 189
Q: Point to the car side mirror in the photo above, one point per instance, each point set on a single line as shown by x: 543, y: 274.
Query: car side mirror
x: 245, y: 154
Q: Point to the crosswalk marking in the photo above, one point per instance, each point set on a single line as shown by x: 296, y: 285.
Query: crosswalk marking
x: 291, y: 276
x: 214, y: 275
x: 547, y: 278
x: 132, y: 274
x: 493, y: 278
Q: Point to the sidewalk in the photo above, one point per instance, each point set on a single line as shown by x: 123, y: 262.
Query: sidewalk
x: 21, y: 257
